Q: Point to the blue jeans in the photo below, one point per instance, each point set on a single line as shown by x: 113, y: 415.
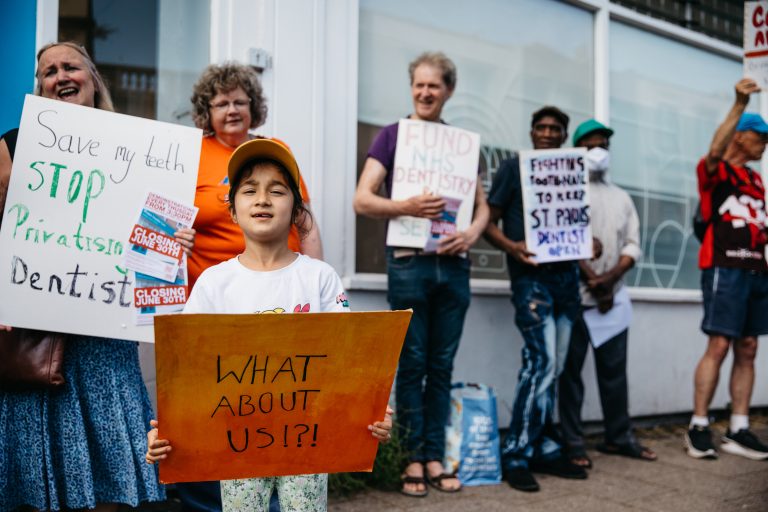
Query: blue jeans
x: 546, y: 304
x: 437, y: 289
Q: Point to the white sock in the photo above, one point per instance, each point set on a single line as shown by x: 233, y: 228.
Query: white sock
x: 739, y: 422
x: 699, y: 421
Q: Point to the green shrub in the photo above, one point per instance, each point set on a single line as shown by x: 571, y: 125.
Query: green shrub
x: 390, y: 462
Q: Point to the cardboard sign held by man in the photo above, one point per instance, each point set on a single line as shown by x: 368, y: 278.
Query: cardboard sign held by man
x: 555, y: 185
x: 756, y: 42
x: 437, y: 159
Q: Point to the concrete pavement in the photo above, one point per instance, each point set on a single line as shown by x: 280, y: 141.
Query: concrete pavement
x: 674, y: 483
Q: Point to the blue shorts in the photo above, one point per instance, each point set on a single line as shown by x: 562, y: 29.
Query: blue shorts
x: 735, y: 302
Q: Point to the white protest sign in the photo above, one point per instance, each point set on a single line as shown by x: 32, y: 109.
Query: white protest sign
x: 756, y: 42
x: 556, y: 204
x: 433, y: 158
x: 79, y: 175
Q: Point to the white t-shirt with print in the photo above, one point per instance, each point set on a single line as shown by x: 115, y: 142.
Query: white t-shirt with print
x: 305, y: 286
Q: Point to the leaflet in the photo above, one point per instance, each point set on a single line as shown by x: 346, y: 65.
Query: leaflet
x: 152, y: 248
x: 444, y: 226
x: 157, y: 259
x: 152, y: 296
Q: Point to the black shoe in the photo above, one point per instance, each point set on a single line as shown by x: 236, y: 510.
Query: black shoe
x: 698, y: 443
x: 744, y: 443
x: 561, y: 467
x: 521, y: 479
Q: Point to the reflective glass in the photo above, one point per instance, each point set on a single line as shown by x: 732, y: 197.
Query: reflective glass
x: 150, y: 52
x: 512, y: 58
x: 665, y: 111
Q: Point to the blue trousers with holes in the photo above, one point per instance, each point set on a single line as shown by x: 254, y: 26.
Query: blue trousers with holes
x: 546, y: 305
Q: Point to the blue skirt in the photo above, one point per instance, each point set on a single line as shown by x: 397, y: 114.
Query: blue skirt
x: 84, y: 443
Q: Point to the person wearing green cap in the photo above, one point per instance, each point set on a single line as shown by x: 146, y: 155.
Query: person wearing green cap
x: 606, y: 309
x: 734, y: 277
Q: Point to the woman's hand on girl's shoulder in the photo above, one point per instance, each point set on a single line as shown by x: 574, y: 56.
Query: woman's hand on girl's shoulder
x: 157, y: 449
x: 382, y: 430
x: 186, y: 237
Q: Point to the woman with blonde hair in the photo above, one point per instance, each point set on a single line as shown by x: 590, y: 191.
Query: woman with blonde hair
x: 80, y: 445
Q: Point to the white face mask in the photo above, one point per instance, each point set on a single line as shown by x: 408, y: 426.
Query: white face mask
x: 598, y: 160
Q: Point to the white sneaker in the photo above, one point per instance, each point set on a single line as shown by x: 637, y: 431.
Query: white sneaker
x: 744, y: 443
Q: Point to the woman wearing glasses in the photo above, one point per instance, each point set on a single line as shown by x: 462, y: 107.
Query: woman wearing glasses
x: 227, y: 101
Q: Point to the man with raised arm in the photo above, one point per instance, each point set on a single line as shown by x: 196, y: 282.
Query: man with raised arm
x: 733, y: 280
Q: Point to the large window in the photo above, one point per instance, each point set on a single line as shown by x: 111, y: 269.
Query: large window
x: 722, y: 19
x: 664, y: 111
x: 150, y: 52
x: 512, y: 58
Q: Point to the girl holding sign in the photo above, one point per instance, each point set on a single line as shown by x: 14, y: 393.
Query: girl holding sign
x: 76, y: 446
x: 227, y: 102
x: 265, y: 202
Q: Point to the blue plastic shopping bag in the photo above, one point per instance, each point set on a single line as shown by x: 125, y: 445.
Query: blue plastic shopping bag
x: 472, y: 435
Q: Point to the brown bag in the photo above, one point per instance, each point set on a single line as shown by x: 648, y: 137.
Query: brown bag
x: 31, y: 359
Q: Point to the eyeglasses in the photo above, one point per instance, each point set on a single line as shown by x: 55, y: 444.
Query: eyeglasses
x: 222, y: 106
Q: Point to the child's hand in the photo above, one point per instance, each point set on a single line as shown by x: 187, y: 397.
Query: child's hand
x: 158, y: 449
x: 382, y: 430
x: 5, y: 328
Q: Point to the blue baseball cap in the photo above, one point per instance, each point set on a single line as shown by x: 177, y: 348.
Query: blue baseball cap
x: 752, y: 122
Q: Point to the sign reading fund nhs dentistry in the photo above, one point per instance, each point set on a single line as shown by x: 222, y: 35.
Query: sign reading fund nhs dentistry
x: 555, y: 184
x: 79, y: 175
x: 433, y: 158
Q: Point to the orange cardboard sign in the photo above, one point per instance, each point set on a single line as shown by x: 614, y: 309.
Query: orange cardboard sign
x: 243, y: 396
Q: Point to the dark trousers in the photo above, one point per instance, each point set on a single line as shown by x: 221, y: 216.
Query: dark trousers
x: 206, y: 497
x: 611, y: 369
x: 437, y: 288
x: 199, y: 496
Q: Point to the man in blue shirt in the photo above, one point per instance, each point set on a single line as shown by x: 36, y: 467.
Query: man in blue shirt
x: 546, y: 300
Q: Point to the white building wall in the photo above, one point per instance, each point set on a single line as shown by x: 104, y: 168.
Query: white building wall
x: 312, y: 88
x: 665, y: 344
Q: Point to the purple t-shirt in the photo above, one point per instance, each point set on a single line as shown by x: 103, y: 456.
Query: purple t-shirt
x: 383, y: 149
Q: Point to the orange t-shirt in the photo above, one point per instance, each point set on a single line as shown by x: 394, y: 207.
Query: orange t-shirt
x: 218, y: 238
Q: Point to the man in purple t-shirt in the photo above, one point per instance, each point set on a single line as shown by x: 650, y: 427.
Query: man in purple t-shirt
x: 435, y: 286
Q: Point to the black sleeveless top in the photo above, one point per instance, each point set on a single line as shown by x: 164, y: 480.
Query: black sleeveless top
x: 10, y: 139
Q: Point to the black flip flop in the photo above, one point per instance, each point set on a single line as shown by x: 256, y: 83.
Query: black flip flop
x: 437, y: 482
x: 631, y: 450
x: 588, y: 465
x: 406, y: 479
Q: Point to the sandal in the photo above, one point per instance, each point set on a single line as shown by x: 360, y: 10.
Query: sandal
x: 437, y: 482
x: 631, y: 450
x: 406, y: 479
x: 583, y: 461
